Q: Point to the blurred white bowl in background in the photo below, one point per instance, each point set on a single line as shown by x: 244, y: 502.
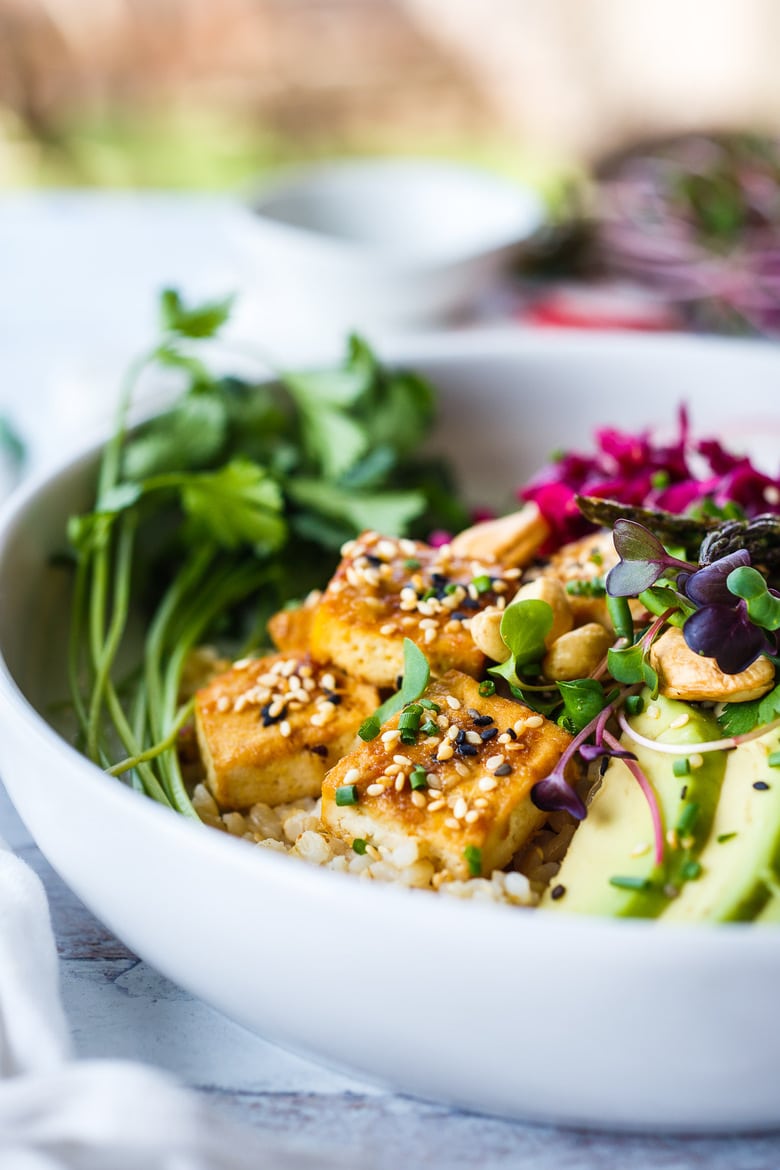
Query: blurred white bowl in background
x: 383, y: 242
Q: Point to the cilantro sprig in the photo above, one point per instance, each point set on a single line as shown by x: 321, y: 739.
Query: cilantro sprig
x: 215, y: 513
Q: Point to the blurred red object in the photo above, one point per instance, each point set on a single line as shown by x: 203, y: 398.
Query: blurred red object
x: 600, y: 306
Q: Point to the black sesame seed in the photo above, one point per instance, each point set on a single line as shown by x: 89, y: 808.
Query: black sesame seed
x: 333, y: 698
x: 470, y: 603
x: 458, y: 617
x: 511, y: 733
x: 683, y: 792
x: 488, y: 733
x: 503, y: 770
x: 319, y: 749
x: 375, y: 561
x: 439, y: 580
x: 460, y: 737
x: 761, y: 786
x: 557, y: 892
x: 466, y: 749
x: 268, y: 719
x: 482, y: 720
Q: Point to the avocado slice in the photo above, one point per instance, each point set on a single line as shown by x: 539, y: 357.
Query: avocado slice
x: 738, y: 880
x: 616, y: 838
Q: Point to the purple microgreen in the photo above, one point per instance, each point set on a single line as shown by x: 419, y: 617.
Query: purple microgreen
x: 727, y: 634
x: 648, y: 793
x: 643, y: 559
x: 593, y: 751
x: 761, y: 602
x: 708, y: 586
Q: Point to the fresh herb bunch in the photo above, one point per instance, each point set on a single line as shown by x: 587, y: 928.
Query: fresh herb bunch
x: 217, y: 512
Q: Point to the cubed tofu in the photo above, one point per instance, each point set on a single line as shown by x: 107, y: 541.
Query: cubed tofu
x: 476, y: 808
x: 290, y: 629
x: 269, y: 729
x: 386, y: 590
x: 511, y: 540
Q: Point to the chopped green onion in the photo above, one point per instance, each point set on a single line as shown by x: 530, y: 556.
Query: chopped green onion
x: 591, y: 588
x: 369, y: 728
x: 429, y: 705
x: 428, y: 594
x: 452, y: 587
x: 473, y: 856
x: 596, y: 557
x: 487, y: 688
x: 660, y: 479
x: 687, y: 818
x: 482, y: 583
x: 631, y: 883
x: 723, y: 837
x: 411, y: 563
x: 635, y: 704
x: 774, y: 760
x: 409, y: 719
x: 690, y: 871
x: 408, y: 736
x: 681, y: 766
x: 359, y: 845
x: 430, y: 728
x: 346, y: 794
x: 418, y: 778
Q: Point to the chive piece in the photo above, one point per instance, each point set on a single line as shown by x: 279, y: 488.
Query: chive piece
x: 418, y: 778
x: 596, y: 557
x: 359, y: 845
x: 687, y: 818
x: 452, y: 587
x: 631, y: 883
x: 774, y: 760
x: 430, y: 728
x: 681, y: 766
x: 428, y: 594
x: 690, y: 871
x: 723, y: 837
x: 487, y: 688
x: 482, y: 583
x: 635, y: 704
x: 346, y: 794
x: 408, y: 737
x: 411, y: 563
x: 369, y: 728
x: 409, y: 719
x: 473, y: 856
x: 429, y: 705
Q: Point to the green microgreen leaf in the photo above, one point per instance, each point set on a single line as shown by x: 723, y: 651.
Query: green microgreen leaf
x: 582, y: 700
x: 763, y: 608
x: 626, y: 664
x: 524, y: 627
x: 198, y: 321
x: 416, y: 676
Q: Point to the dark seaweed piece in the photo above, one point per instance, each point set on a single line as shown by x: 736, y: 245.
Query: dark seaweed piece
x: 760, y: 536
x: 687, y: 531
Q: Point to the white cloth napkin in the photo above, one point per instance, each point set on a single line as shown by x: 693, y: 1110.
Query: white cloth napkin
x: 57, y: 1113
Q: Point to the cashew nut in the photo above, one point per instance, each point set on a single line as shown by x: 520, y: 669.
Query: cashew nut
x: 551, y: 590
x: 511, y: 540
x: 485, y: 630
x: 576, y: 654
x: 683, y: 674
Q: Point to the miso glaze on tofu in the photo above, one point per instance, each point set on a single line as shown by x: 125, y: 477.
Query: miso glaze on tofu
x: 270, y: 728
x: 386, y: 590
x: 461, y: 791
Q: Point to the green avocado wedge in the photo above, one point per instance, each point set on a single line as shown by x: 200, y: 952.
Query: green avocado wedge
x: 738, y: 880
x: 616, y: 839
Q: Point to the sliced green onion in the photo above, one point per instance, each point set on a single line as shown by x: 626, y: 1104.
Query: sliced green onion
x: 487, y: 687
x: 411, y: 563
x: 681, y: 766
x: 453, y: 587
x: 369, y: 728
x: 429, y: 705
x: 687, y: 818
x: 723, y: 837
x: 347, y: 794
x: 631, y: 883
x: 409, y: 719
x: 774, y: 760
x: 690, y: 871
x: 635, y: 704
x: 473, y: 857
x: 408, y: 737
x: 418, y: 779
x: 482, y: 583
x: 359, y: 845
x: 430, y: 728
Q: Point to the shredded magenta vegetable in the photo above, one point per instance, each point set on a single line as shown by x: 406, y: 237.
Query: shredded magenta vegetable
x: 634, y: 469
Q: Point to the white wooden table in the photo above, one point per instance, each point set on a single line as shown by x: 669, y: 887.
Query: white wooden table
x: 76, y: 281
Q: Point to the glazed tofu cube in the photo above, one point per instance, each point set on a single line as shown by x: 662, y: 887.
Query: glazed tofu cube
x: 290, y: 629
x: 462, y: 795
x: 387, y: 590
x: 269, y: 729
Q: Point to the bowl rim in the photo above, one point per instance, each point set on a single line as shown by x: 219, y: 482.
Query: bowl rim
x: 301, y: 178
x: 411, y: 908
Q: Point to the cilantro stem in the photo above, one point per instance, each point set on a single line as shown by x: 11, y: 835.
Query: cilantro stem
x: 150, y: 753
x: 105, y: 659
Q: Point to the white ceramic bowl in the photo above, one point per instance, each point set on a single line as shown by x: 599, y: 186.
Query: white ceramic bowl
x: 597, y: 1023
x: 384, y: 241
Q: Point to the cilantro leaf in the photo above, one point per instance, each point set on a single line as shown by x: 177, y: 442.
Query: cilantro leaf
x: 187, y: 438
x: 200, y: 321
x: 740, y: 718
x: 388, y: 512
x: 239, y: 504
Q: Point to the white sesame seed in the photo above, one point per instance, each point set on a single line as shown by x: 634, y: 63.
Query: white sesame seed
x: 471, y: 817
x: 305, y: 671
x: 453, y: 732
x: 681, y: 720
x: 353, y: 577
x: 242, y: 663
x: 425, y: 608
x: 386, y: 549
x: 318, y: 719
x: 375, y: 790
x: 519, y: 726
x: 404, y: 761
x: 534, y: 721
x: 285, y: 729
x: 276, y: 708
x: 671, y: 839
x: 653, y: 712
x: 328, y: 682
x: 435, y: 805
x: 452, y: 702
x: 452, y: 626
x: 352, y: 776
x: 472, y: 592
x: 500, y: 603
x: 429, y: 636
x: 445, y: 752
x: 512, y: 574
x: 407, y: 605
x: 400, y: 780
x: 407, y: 621
x: 461, y: 768
x: 408, y: 594
x: 428, y: 624
x: 348, y: 548
x: 393, y: 769
x: 487, y: 784
x: 640, y: 849
x: 493, y: 762
x: 387, y: 629
x: 696, y: 760
x: 480, y: 802
x: 407, y: 547
x: 499, y: 586
x: 419, y: 800
x: 460, y: 809
x: 391, y: 736
x: 371, y: 577
x: 223, y: 703
x: 473, y: 737
x: 504, y: 738
x: 451, y: 823
x: 443, y: 720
